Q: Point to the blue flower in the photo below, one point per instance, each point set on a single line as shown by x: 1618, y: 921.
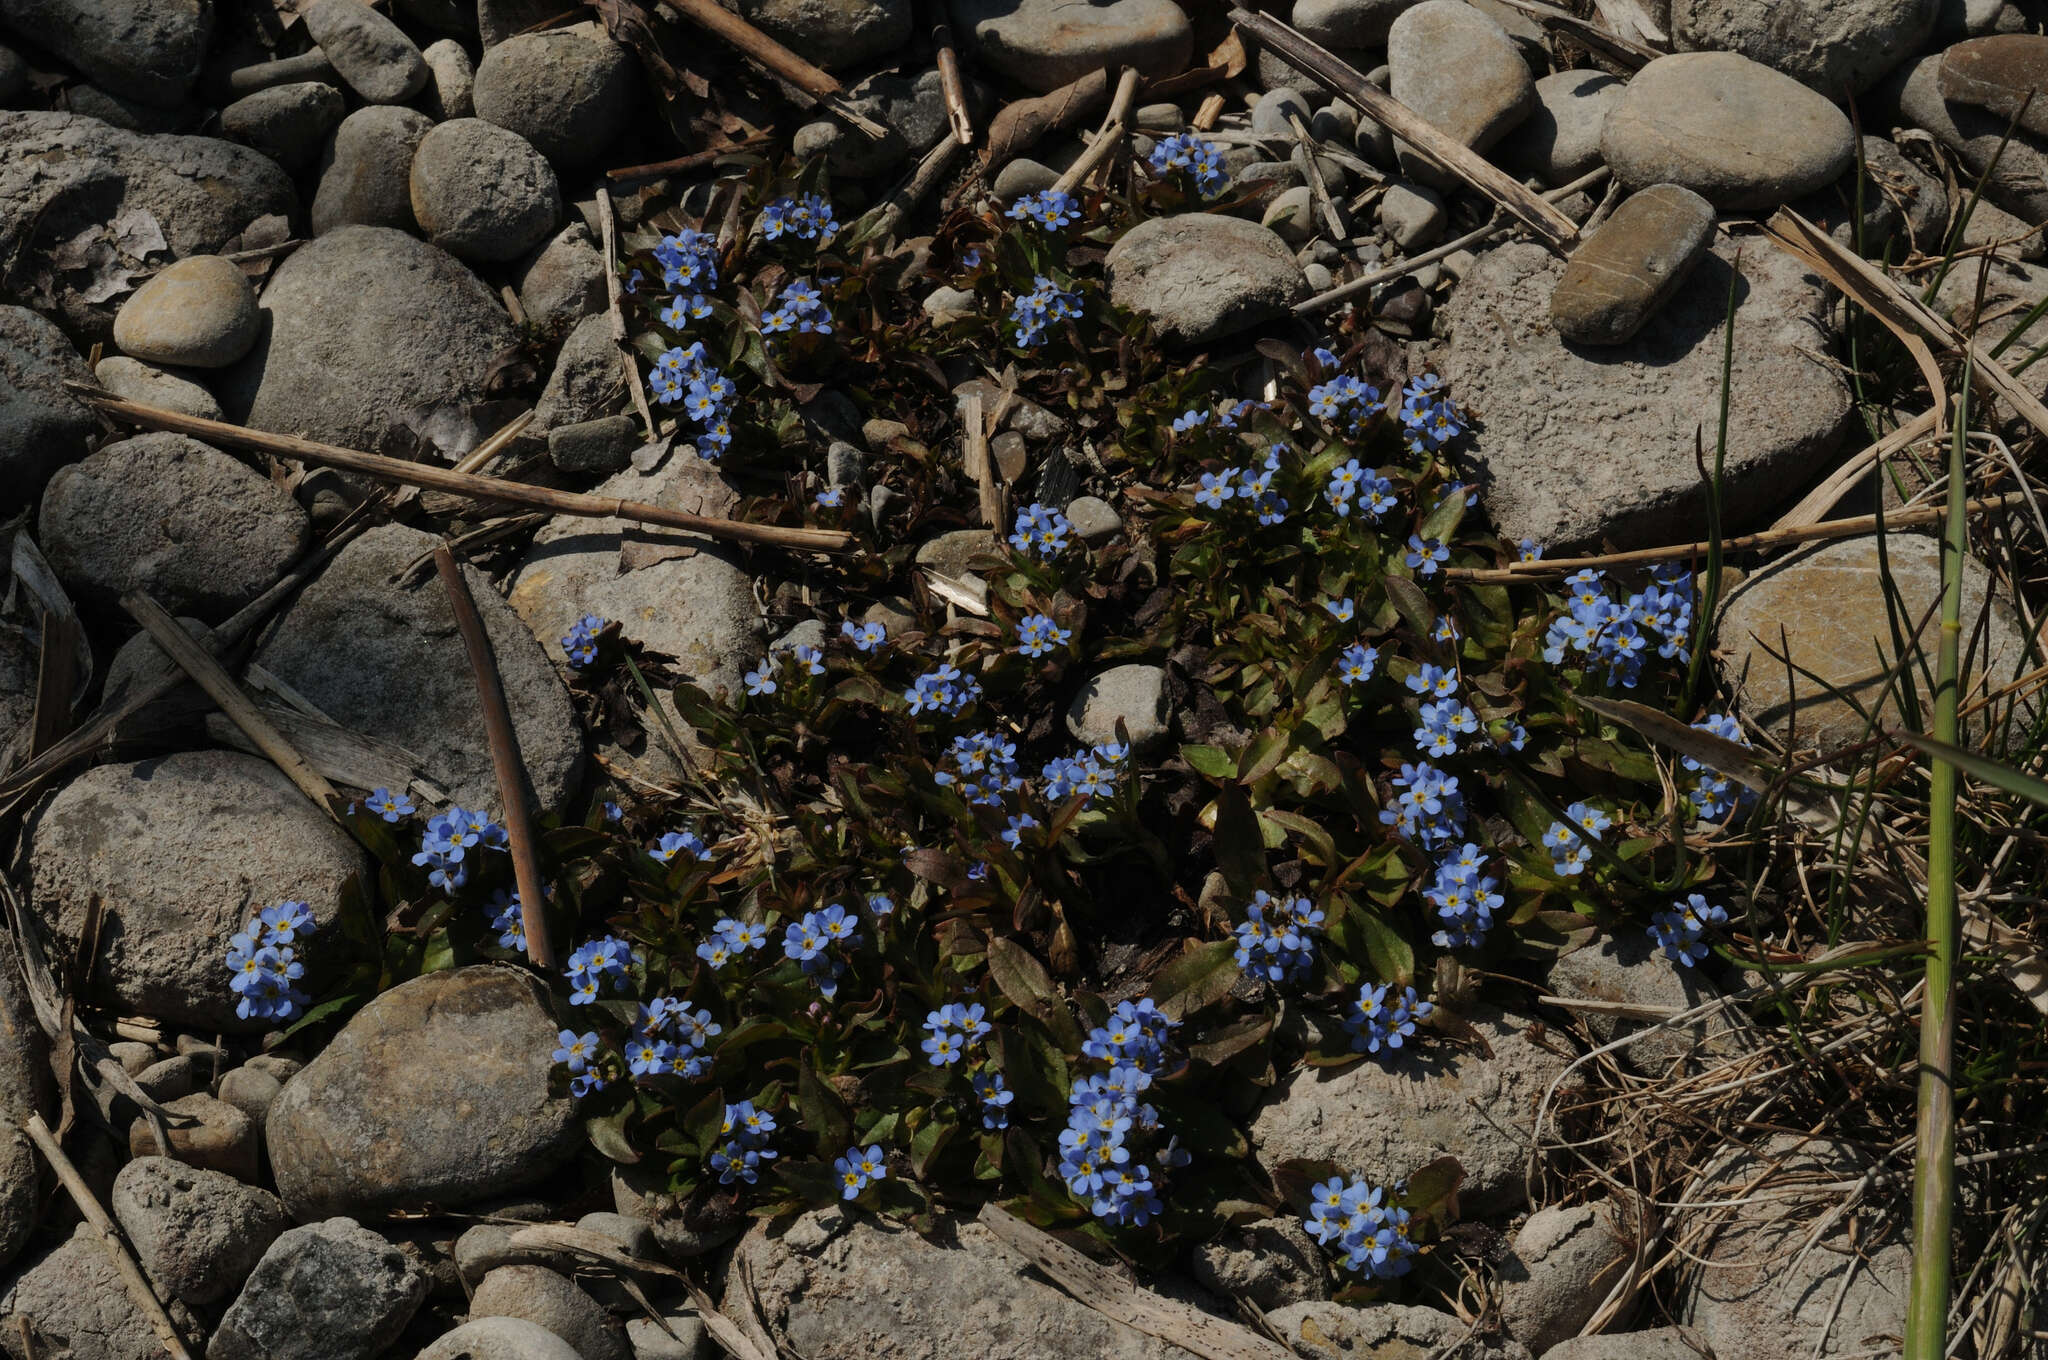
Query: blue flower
x: 995, y: 1099
x: 807, y: 216
x: 1425, y: 554
x: 810, y: 659
x: 858, y: 1170
x: 831, y: 498
x: 263, y: 964
x: 1188, y: 420
x: 1374, y: 1239
x: 1043, y: 306
x: 508, y: 918
x: 576, y: 1050
x: 1013, y: 835
x: 1465, y: 899
x: 1428, y: 807
x: 1680, y: 931
x: 1341, y: 610
x: 1280, y: 949
x: 1375, y: 1023
x: 1355, y: 666
x: 1217, y: 488
x: 761, y: 679
x: 688, y: 259
x: 1040, y: 530
x: 390, y: 806
x: 865, y: 637
x: 1200, y: 159
x: 674, y: 843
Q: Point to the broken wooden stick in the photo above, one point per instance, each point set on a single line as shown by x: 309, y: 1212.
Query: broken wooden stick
x: 505, y: 759
x: 614, y: 306
x: 1552, y: 227
x: 951, y: 88
x: 1115, y: 124
x: 778, y: 60
x: 177, y: 644
x: 458, y: 483
x: 683, y: 165
x: 89, y: 1208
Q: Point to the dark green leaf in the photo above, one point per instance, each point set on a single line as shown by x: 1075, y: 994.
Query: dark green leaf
x: 1197, y: 979
x: 1022, y: 979
x: 1240, y: 846
x: 608, y: 1135
x: 824, y: 1113
x: 1210, y: 761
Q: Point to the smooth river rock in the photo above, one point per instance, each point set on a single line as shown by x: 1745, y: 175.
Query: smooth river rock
x: 1618, y: 276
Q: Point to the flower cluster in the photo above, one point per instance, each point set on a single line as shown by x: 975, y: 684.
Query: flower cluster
x: 1569, y: 853
x: 1103, y: 1110
x: 1428, y: 808
x: 951, y: 1030
x: 685, y: 375
x: 807, y: 216
x: 1040, y: 530
x: 688, y: 260
x: 801, y: 308
x: 580, y: 642
x: 1087, y: 772
x: 1429, y: 418
x: 865, y: 637
x: 1443, y: 721
x: 1037, y: 634
x: 1049, y: 208
x: 746, y: 1132
x: 1198, y: 157
x: 1710, y: 794
x: 1044, y: 305
x: 263, y: 964
x: 731, y: 939
x: 448, y: 838
x: 1355, y: 666
x: 1465, y: 899
x: 859, y: 1169
x: 1679, y: 932
x: 1348, y: 482
x: 508, y: 918
x: 984, y: 767
x: 681, y: 310
x: 1277, y: 939
x: 1425, y: 555
x: 819, y: 944
x: 1374, y: 1238
x: 1252, y: 489
x: 945, y: 689
x: 599, y: 964
x: 579, y: 1053
x: 1346, y: 401
x: 1619, y: 633
x: 669, y: 1039
x: 1375, y: 1021
x: 994, y: 1098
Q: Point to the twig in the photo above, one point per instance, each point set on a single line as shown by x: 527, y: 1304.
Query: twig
x: 457, y: 483
x: 1824, y: 497
x: 1206, y: 115
x: 236, y: 256
x: 881, y: 222
x: 1331, y: 297
x: 494, y: 443
x: 56, y: 681
x: 979, y: 465
x: 1108, y: 139
x: 212, y: 677
x: 764, y: 51
x: 1554, y: 229
x: 1769, y: 538
x: 1332, y: 219
x: 683, y: 165
x: 608, y: 227
x: 1119, y: 1300
x: 131, y: 1274
x: 505, y: 760
x: 1625, y: 50
x: 951, y: 88
x: 722, y: 1328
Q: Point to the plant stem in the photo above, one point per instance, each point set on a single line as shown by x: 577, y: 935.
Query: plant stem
x: 1934, y: 1159
x: 1703, y: 637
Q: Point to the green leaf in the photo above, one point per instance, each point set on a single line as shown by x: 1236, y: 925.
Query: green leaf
x: 1240, y: 847
x: 1391, y: 956
x: 1736, y: 761
x: 824, y: 1113
x: 1262, y: 755
x: 705, y: 1122
x: 929, y: 1142
x: 331, y: 1006
x: 1323, y: 850
x: 1432, y: 1192
x: 1021, y: 978
x: 1414, y: 606
x: 1212, y: 761
x: 1033, y: 1069
x: 1221, y: 1045
x: 608, y: 1135
x: 1995, y: 773
x: 1196, y: 980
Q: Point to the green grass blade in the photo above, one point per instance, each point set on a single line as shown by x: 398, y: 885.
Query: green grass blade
x: 1996, y: 773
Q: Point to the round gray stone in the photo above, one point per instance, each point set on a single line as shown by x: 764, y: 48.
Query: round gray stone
x: 153, y: 386
x: 1837, y: 47
x: 482, y: 191
x: 327, y: 1291
x: 372, y: 54
x: 1559, y: 1267
x: 437, y: 1092
x: 834, y: 34
x: 198, y: 312
x: 195, y: 528
x: 1199, y: 277
x: 1461, y: 71
x: 1412, y: 215
x: 554, y: 1301
x: 1392, y: 1116
x: 367, y: 327
x: 42, y: 426
x: 208, y: 839
x: 366, y: 177
x: 386, y: 660
x: 564, y: 282
x: 196, y: 1233
x: 1560, y: 139
x: 1044, y: 44
x: 150, y: 50
x: 288, y: 123
x: 1579, y: 447
x: 451, y: 81
x: 568, y: 91
x: 500, y: 1338
x: 1737, y: 133
x: 696, y: 606
x: 1134, y: 694
x: 1348, y: 23
x: 25, y: 1088
x: 75, y: 1291
x: 1320, y: 1330
x: 1624, y: 270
